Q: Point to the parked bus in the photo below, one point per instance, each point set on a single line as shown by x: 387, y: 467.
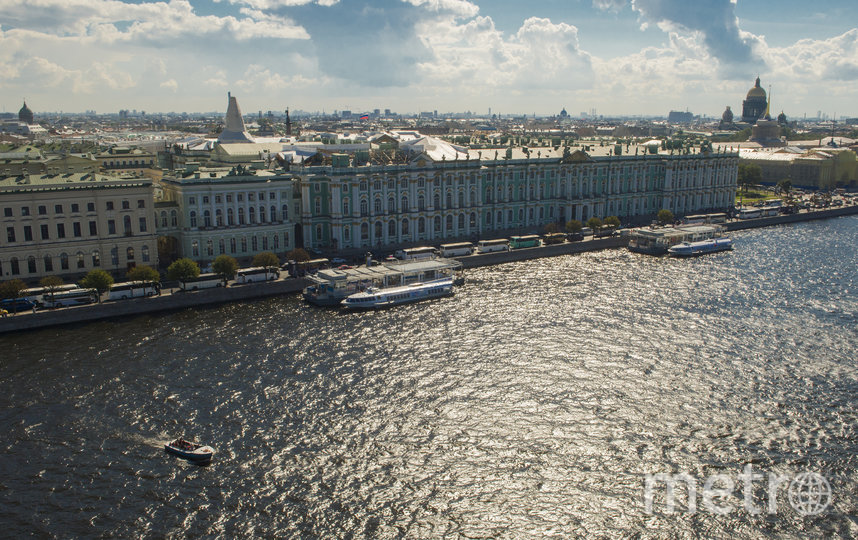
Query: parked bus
x: 410, y: 254
x: 203, y: 281
x: 256, y: 273
x: 36, y: 294
x: 131, y: 289
x: 487, y: 246
x: 302, y: 268
x: 457, y: 250
x: 531, y: 240
x: 74, y: 297
x: 554, y: 238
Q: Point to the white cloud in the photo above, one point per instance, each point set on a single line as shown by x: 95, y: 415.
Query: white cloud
x: 170, y: 84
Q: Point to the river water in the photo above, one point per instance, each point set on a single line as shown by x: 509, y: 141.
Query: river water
x: 533, y: 403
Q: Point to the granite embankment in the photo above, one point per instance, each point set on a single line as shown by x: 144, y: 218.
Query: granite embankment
x: 168, y: 302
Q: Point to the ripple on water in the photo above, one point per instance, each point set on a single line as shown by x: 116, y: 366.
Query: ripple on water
x: 531, y: 403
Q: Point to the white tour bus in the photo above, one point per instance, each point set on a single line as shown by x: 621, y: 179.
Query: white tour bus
x: 487, y: 246
x: 410, y: 254
x: 74, y: 297
x: 457, y: 250
x: 256, y: 273
x: 131, y: 289
x: 36, y: 294
x: 203, y: 281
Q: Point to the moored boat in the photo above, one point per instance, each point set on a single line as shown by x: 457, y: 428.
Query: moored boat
x: 191, y: 451
x: 373, y: 298
x: 692, y: 249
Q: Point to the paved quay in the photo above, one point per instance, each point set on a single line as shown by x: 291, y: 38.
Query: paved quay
x: 237, y: 293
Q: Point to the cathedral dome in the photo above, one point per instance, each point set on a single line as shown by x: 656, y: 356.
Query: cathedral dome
x: 25, y: 114
x: 727, y: 117
x: 757, y: 91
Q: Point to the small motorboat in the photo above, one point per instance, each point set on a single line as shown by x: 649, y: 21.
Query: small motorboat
x: 189, y: 450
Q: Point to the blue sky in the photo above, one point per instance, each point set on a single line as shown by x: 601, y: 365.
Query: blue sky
x: 619, y: 57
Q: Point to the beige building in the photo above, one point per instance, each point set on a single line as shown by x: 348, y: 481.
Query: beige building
x: 816, y: 168
x: 69, y: 224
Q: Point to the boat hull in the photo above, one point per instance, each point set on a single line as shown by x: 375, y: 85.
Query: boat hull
x: 198, y: 455
x: 695, y: 249
x: 382, y: 298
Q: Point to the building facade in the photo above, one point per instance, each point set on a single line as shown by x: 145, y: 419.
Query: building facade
x: 234, y: 211
x: 68, y: 224
x: 433, y: 201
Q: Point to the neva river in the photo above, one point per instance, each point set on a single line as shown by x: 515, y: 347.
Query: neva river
x: 533, y: 403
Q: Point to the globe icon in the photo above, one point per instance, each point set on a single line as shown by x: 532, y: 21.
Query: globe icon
x: 809, y: 493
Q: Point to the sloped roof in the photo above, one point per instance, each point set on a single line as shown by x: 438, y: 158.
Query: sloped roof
x: 434, y: 149
x: 234, y: 132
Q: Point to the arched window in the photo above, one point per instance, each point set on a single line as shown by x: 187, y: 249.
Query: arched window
x: 96, y: 258
x: 193, y: 216
x: 232, y: 245
x: 449, y: 224
x: 364, y: 208
x: 219, y: 217
x: 285, y: 211
x: 346, y: 207
x: 163, y: 218
x: 145, y: 253
x: 126, y: 223
x: 473, y: 220
x: 254, y: 242
x: 114, y: 256
x: 195, y: 248
x: 421, y: 226
x: 488, y: 195
x: 450, y: 199
x: 207, y: 218
x: 241, y: 216
x: 49, y: 263
x: 404, y: 207
x: 244, y: 244
x: 461, y: 222
x: 378, y: 230
x: 16, y: 270
x: 276, y: 242
x: 31, y: 264
x: 421, y: 202
x: 129, y: 254
x: 273, y: 211
x: 391, y: 229
x: 81, y: 262
x: 364, y: 231
x: 64, y: 261
x: 347, y: 234
x: 221, y: 246
x: 230, y: 217
x: 251, y: 214
x: 261, y: 214
x: 404, y: 227
x: 500, y: 217
x: 436, y: 201
x: 461, y: 199
x: 174, y: 218
x: 377, y: 205
x: 209, y: 248
x: 391, y: 204
x: 437, y: 224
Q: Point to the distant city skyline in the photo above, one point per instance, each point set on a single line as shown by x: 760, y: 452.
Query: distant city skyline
x: 617, y: 57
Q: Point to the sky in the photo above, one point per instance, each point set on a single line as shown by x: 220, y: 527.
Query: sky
x: 617, y: 57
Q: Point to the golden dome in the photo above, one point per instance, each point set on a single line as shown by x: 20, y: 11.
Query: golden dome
x: 757, y: 91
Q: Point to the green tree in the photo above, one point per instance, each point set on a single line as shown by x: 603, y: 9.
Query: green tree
x: 574, y: 226
x: 144, y: 274
x: 183, y: 269
x: 266, y: 260
x: 594, y: 223
x: 51, y: 284
x: 551, y: 228
x: 749, y: 175
x: 12, y: 288
x: 785, y: 186
x: 298, y: 255
x: 226, y: 266
x: 612, y: 221
x: 98, y: 280
x: 664, y: 216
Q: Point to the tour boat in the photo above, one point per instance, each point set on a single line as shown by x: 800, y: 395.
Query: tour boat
x: 691, y: 249
x: 373, y: 298
x: 189, y: 450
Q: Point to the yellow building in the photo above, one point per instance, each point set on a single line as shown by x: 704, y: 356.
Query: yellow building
x: 69, y: 224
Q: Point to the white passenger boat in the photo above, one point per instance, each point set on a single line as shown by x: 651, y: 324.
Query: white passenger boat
x: 330, y: 287
x: 692, y: 249
x: 373, y: 298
